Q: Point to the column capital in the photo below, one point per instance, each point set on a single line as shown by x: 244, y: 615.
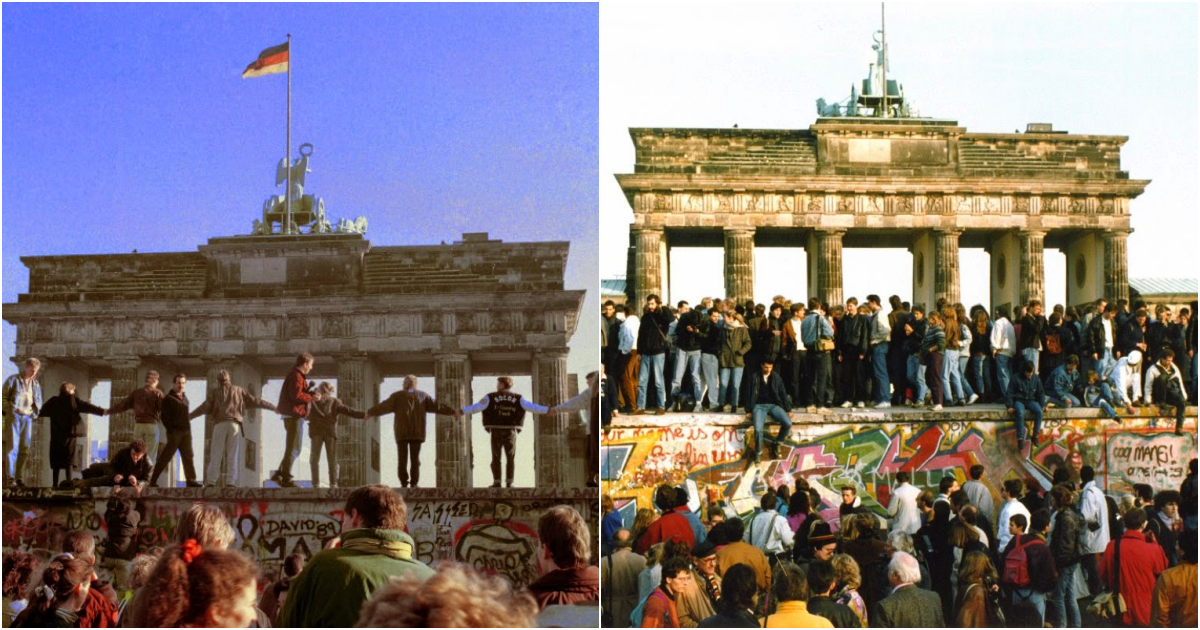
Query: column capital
x: 948, y: 231
x: 829, y: 231
x: 740, y: 230
x: 648, y: 229
x: 123, y: 362
x: 552, y: 353
x: 1031, y: 232
x: 1116, y: 233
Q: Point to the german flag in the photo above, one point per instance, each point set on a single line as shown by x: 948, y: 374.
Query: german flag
x: 270, y: 61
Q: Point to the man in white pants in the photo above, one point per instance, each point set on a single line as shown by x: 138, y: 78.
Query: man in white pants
x: 1126, y: 375
x: 227, y: 404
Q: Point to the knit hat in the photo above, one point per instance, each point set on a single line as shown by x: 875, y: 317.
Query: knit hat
x: 1135, y: 357
x: 820, y: 536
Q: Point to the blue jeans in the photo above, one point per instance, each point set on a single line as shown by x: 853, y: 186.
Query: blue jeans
x: 777, y: 414
x: 880, y: 370
x: 975, y: 374
x: 655, y: 363
x: 1031, y: 598
x: 916, y: 374
x: 952, y: 382
x: 709, y: 367
x: 17, y: 440
x: 1003, y: 372
x: 1031, y: 355
x: 964, y: 356
x: 731, y: 381
x: 1104, y: 362
x: 1062, y: 402
x: 688, y: 360
x: 1064, y: 601
x: 1020, y: 407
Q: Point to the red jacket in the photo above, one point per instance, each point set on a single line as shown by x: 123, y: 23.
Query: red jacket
x: 565, y: 587
x: 670, y: 526
x: 294, y: 396
x: 1141, y: 562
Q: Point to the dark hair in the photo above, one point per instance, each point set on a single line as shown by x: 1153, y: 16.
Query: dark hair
x: 789, y: 583
x: 79, y: 543
x: 1061, y: 495
x: 63, y: 574
x: 1134, y: 519
x: 1013, y: 487
x: 137, y: 446
x: 902, y: 477
x: 719, y: 534
x: 946, y: 483
x: 873, y: 298
x: 1087, y: 473
x: 681, y: 496
x: 292, y: 566
x: 735, y: 528
x: 653, y: 296
x: 664, y: 497
x: 1166, y: 353
x: 969, y: 514
x: 959, y: 498
x: 768, y: 501
x: 1061, y: 475
x: 820, y: 577
x: 303, y: 358
x: 1001, y: 311
x: 1188, y: 544
x: 1167, y: 496
x: 1072, y: 360
x: 977, y: 472
x: 738, y: 587
x: 1039, y: 520
x: 851, y: 488
x: 798, y: 503
x: 1020, y: 520
x: 1144, y: 492
x: 673, y: 567
x: 378, y: 506
x: 814, y: 303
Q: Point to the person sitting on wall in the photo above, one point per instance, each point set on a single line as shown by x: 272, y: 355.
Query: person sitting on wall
x: 503, y: 418
x: 128, y: 468
x: 1025, y: 393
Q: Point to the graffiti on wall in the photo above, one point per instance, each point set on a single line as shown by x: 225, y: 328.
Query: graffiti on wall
x: 495, y: 535
x: 867, y: 457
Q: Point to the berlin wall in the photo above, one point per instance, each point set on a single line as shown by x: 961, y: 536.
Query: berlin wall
x: 642, y: 452
x: 492, y: 530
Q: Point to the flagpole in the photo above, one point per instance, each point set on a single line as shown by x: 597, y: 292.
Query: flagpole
x: 287, y: 155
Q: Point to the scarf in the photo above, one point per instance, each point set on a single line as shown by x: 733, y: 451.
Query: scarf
x: 397, y: 549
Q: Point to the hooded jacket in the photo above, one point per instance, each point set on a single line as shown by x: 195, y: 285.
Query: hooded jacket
x: 323, y: 416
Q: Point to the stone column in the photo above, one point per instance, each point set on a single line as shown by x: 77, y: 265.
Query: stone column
x: 124, y: 381
x: 552, y: 453
x: 647, y: 276
x: 1116, y: 270
x: 1032, y: 282
x: 452, y: 373
x: 825, y: 256
x: 358, y: 381
x: 54, y: 372
x: 945, y: 264
x: 739, y: 264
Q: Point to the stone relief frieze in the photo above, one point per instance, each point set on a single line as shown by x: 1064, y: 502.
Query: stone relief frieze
x: 934, y: 204
x: 963, y: 205
x: 400, y: 325
x: 232, y: 328
x: 297, y: 328
x: 1078, y: 206
x: 816, y: 204
x: 202, y: 330
x: 785, y: 204
x: 724, y: 203
x: 105, y: 331
x: 169, y: 330
x: 1106, y: 206
x: 695, y: 203
x: 845, y: 205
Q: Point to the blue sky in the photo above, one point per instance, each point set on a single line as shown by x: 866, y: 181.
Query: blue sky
x: 129, y: 127
x: 1096, y: 68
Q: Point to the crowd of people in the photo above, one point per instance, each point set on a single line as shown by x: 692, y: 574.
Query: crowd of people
x: 368, y: 576
x: 162, y: 426
x: 1109, y: 356
x: 940, y: 557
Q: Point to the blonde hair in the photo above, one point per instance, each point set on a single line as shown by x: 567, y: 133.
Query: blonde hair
x: 846, y: 572
x: 455, y: 597
x: 207, y: 525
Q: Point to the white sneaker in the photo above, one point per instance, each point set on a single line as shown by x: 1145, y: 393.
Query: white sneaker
x: 860, y: 405
x: 936, y: 408
x: 847, y: 405
x: 824, y: 410
x: 972, y: 399
x: 884, y: 405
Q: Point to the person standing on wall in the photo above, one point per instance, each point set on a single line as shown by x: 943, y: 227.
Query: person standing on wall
x: 179, y: 434
x: 409, y: 406
x: 294, y: 399
x: 22, y: 402
x: 503, y: 418
x: 146, y: 404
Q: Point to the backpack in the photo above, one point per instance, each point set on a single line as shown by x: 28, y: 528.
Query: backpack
x: 1016, y: 565
x: 638, y: 614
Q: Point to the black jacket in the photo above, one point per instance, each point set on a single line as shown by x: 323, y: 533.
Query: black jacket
x: 1065, y: 537
x: 853, y: 337
x: 1128, y: 336
x: 652, y: 335
x: 1033, y: 332
x: 685, y: 340
x: 1024, y: 390
x: 912, y: 343
x: 175, y: 413
x: 755, y: 381
x: 711, y: 336
x: 1093, y: 337
x: 124, y: 465
x: 839, y: 615
x: 323, y: 416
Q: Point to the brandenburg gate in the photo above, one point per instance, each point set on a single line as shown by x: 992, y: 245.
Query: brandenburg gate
x: 869, y: 174
x: 251, y: 304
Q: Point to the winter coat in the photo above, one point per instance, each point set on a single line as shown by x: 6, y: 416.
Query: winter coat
x: 1033, y: 332
x: 1094, y: 509
x: 295, y: 395
x: 854, y: 336
x: 566, y: 587
x: 712, y: 336
x: 66, y: 424
x: 146, y: 404
x: 410, y: 407
x: 229, y: 402
x: 913, y: 342
x: 1066, y: 537
x: 334, y: 585
x: 1128, y: 336
x: 124, y: 465
x: 751, y: 388
x: 685, y: 340
x: 1062, y: 382
x: 734, y: 346
x: 1141, y: 563
x: 1042, y: 573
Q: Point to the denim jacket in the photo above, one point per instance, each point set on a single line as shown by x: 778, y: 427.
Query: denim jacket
x: 14, y: 388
